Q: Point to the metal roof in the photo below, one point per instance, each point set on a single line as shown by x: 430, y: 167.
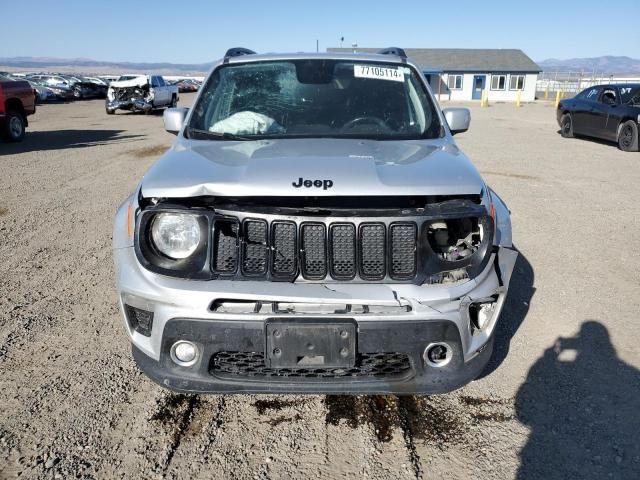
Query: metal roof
x: 464, y: 59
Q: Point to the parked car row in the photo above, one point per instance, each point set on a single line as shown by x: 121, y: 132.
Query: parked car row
x: 54, y: 87
x: 187, y: 85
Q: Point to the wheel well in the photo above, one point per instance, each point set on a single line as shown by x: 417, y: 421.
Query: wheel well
x: 13, y: 104
x: 623, y: 121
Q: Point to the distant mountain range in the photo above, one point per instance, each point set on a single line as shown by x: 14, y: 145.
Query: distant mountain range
x: 95, y: 66
x: 602, y: 65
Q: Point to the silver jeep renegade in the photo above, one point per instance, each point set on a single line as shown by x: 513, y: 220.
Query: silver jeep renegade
x: 314, y: 228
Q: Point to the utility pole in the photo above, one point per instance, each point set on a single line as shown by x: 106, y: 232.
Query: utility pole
x: 317, y: 46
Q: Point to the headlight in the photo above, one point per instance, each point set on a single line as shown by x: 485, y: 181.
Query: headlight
x: 175, y: 235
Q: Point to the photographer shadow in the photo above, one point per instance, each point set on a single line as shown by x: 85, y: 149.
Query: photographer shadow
x: 582, y: 404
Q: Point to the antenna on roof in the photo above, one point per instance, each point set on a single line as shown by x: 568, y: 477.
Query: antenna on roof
x: 237, y: 52
x: 398, y: 52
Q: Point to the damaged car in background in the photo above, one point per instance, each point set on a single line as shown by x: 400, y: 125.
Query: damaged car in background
x: 314, y: 228
x: 140, y: 93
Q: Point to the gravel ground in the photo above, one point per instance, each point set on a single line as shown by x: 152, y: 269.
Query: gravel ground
x: 560, y: 399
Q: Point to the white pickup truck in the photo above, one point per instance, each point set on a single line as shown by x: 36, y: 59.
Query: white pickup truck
x: 140, y: 93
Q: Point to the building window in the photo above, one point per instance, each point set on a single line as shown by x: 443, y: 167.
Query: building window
x: 455, y: 82
x: 498, y: 82
x: 516, y: 82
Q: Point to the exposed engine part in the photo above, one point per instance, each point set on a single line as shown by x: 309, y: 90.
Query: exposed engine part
x: 456, y: 239
x: 480, y: 313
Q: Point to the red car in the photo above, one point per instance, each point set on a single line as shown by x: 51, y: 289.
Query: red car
x: 17, y: 101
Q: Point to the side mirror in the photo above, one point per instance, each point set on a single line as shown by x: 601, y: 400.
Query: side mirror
x: 174, y: 119
x: 458, y: 119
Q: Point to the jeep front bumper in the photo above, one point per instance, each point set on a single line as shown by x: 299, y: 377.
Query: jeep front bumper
x: 390, y: 342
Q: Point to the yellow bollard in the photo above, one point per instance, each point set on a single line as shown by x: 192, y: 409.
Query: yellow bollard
x: 557, y: 98
x: 482, y: 99
x: 518, y: 98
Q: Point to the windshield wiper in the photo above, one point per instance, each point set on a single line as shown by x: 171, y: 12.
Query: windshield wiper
x: 195, y: 133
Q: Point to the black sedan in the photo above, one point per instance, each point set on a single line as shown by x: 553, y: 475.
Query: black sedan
x: 609, y: 112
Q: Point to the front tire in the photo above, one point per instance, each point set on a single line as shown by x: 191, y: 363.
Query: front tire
x: 174, y: 101
x: 110, y: 111
x: 628, y: 136
x: 566, y: 126
x: 15, y: 127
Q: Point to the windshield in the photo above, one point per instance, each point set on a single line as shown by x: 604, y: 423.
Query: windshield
x: 630, y: 94
x: 315, y: 98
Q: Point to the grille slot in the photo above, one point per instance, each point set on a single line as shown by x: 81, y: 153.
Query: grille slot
x: 254, y: 247
x: 343, y: 251
x: 369, y: 366
x: 314, y: 251
x: 283, y: 241
x: 403, y: 250
x: 372, y: 248
x: 225, y: 238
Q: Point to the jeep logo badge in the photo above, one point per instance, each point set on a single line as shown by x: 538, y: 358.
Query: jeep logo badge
x: 325, y: 184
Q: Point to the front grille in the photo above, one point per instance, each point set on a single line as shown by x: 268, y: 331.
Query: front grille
x: 280, y: 249
x: 387, y: 366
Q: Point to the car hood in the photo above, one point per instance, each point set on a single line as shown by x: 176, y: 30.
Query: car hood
x: 343, y: 167
x: 138, y: 81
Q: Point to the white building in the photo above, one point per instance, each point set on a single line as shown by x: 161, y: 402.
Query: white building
x: 462, y: 74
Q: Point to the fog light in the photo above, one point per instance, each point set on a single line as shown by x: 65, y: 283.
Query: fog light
x: 437, y: 354
x: 184, y: 353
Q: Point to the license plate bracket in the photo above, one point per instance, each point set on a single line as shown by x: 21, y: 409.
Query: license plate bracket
x: 310, y: 343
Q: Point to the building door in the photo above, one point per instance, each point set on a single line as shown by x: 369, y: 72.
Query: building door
x: 478, y: 86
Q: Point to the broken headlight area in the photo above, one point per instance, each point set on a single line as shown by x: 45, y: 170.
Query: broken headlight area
x: 459, y: 247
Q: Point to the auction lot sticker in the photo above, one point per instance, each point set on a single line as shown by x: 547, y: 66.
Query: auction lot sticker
x: 381, y: 73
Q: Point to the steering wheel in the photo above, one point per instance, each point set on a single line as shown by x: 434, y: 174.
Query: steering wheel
x: 365, y: 119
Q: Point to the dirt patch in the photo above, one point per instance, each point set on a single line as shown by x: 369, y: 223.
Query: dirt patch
x: 144, y: 152
x: 274, y: 422
x: 426, y: 419
x: 262, y: 406
x: 3, y: 211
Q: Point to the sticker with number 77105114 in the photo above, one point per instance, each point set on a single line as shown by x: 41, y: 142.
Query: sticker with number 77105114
x: 381, y: 73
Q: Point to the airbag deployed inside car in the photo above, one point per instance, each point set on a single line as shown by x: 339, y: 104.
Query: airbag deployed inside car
x: 247, y: 123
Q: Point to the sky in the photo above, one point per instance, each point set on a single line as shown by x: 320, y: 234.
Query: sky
x: 199, y: 31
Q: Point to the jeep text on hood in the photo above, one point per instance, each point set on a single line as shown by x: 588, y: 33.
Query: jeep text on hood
x: 314, y: 228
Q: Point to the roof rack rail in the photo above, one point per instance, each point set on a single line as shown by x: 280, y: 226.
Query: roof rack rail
x: 236, y: 52
x: 398, y: 52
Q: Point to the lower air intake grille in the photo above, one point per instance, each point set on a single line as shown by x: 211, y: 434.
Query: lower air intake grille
x: 385, y: 366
